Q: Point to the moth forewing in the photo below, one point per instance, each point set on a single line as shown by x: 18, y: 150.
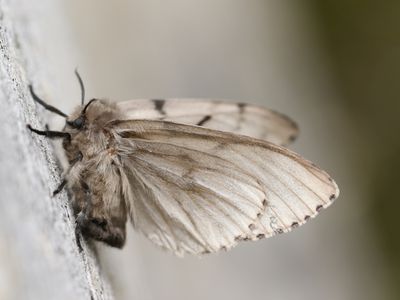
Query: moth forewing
x: 203, y: 190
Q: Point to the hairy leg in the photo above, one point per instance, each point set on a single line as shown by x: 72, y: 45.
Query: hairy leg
x: 50, y: 134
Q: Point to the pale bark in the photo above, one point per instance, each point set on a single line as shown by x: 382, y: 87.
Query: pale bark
x: 39, y: 258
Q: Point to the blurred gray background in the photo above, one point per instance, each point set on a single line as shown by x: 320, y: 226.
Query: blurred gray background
x: 333, y: 66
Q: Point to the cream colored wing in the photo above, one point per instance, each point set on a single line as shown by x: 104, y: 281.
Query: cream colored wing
x: 240, y: 118
x: 194, y: 190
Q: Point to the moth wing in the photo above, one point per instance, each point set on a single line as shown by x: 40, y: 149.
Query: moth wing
x: 239, y: 118
x: 194, y: 190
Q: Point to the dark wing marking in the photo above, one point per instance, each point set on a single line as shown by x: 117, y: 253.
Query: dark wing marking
x: 239, y: 118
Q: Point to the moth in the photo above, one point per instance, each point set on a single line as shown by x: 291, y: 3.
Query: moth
x: 194, y: 176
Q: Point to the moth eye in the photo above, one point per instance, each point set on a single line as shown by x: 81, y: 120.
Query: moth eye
x: 77, y: 123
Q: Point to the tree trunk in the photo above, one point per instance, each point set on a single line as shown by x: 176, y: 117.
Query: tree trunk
x: 39, y: 257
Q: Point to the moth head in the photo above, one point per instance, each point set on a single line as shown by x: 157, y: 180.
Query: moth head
x: 95, y: 111
x: 78, y: 119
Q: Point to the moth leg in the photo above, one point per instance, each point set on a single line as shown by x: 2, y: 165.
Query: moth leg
x: 44, y: 104
x: 64, y: 181
x: 50, y: 134
x: 54, y: 135
x: 60, y: 187
x: 88, y: 199
x: 78, y: 226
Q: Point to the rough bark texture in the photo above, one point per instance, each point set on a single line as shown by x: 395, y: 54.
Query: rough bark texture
x: 39, y: 258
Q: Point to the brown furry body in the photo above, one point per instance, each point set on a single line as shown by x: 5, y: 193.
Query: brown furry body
x: 94, y: 179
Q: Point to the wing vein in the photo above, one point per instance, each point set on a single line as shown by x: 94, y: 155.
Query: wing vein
x: 222, y: 197
x: 306, y: 186
x: 164, y: 213
x: 288, y: 188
